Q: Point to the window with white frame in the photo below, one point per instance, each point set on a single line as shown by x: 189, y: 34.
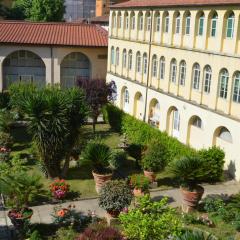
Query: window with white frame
x: 223, y: 86
x: 214, y: 21
x: 138, y: 62
x: 133, y: 23
x: 119, y: 21
x: 130, y: 60
x: 158, y: 22
x: 230, y: 25
x: 182, y: 73
x: 166, y: 23
x: 154, y: 66
x: 177, y: 24
x: 176, y: 120
x: 126, y: 97
x: 117, y: 56
x: 196, y: 76
x: 145, y: 64
x: 140, y: 22
x: 114, y: 18
x: 207, y: 79
x: 173, y: 71
x: 149, y: 23
x: 162, y: 68
x: 236, y: 89
x: 201, y: 25
x: 112, y: 56
x: 188, y: 24
x: 124, y: 58
x: 126, y: 22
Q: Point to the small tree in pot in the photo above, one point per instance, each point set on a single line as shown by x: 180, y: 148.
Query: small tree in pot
x: 155, y: 159
x: 189, y: 171
x: 115, y: 196
x: 99, y: 156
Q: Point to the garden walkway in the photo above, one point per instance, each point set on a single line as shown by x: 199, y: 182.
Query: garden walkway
x: 42, y: 214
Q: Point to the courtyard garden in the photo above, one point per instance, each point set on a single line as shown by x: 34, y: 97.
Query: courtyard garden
x: 51, y: 153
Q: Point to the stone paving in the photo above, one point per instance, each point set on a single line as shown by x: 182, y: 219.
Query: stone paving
x: 42, y: 214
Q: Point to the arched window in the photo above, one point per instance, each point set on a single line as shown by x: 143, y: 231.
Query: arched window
x: 126, y: 96
x: 133, y: 22
x: 176, y: 120
x: 182, y: 72
x: 196, y: 76
x: 112, y: 56
x: 130, y: 60
x: 140, y: 22
x: 166, y: 23
x: 230, y: 25
x: 119, y: 20
x: 138, y: 62
x: 225, y: 135
x: 223, y: 87
x: 158, y: 22
x: 154, y: 66
x: 236, y: 89
x: 188, y: 23
x: 145, y: 64
x: 201, y: 24
x: 173, y: 71
x: 162, y: 68
x: 117, y: 56
x: 148, y: 22
x: 126, y: 22
x: 114, y: 20
x: 124, y: 58
x: 177, y: 24
x: 207, y: 79
x: 214, y: 21
x: 197, y: 122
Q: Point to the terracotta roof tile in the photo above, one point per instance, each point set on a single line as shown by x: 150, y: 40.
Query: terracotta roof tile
x: 65, y: 34
x: 174, y: 3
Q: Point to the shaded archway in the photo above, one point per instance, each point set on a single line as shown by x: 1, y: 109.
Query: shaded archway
x: 138, y: 110
x: 74, y: 66
x: 154, y: 113
x: 194, y: 134
x: 222, y: 136
x: 23, y: 66
x: 173, y: 122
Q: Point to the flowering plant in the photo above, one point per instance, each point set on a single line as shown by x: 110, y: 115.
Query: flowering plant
x: 4, y: 154
x: 59, y: 188
x: 139, y: 182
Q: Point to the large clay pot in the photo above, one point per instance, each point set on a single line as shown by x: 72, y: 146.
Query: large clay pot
x: 18, y: 222
x: 137, y: 192
x: 150, y: 175
x: 191, y: 199
x: 100, y: 180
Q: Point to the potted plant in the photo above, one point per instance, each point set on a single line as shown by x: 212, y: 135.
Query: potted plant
x: 139, y: 184
x: 99, y: 155
x: 154, y: 159
x: 59, y: 189
x: 188, y: 170
x: 115, y: 196
x: 19, y: 189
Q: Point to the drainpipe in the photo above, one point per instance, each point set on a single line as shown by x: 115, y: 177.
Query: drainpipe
x: 148, y: 70
x: 52, y: 66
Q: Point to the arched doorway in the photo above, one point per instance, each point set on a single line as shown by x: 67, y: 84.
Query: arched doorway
x: 173, y: 122
x: 23, y: 66
x: 154, y: 113
x: 138, y: 106
x: 125, y: 100
x: 74, y: 66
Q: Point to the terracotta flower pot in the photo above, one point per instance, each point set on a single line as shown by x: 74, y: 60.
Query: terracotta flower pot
x: 150, y: 175
x: 100, y: 180
x: 191, y: 199
x: 19, y: 221
x: 137, y: 192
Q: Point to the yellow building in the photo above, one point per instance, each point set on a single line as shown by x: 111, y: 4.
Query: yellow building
x: 176, y: 65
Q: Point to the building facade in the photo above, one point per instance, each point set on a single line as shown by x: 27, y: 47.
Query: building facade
x: 52, y: 57
x: 176, y: 65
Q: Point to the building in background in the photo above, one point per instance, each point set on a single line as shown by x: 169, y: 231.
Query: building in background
x: 176, y: 65
x: 79, y: 9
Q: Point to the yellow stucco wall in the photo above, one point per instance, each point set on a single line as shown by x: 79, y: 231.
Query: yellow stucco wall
x: 219, y: 52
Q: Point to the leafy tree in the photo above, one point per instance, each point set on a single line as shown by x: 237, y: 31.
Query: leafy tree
x: 3, y: 10
x: 54, y: 119
x: 98, y: 93
x: 21, y: 9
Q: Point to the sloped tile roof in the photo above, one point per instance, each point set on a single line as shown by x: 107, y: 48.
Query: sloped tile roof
x: 65, y: 34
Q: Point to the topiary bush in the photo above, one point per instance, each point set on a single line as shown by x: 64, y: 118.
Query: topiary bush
x: 155, y: 157
x: 118, y: 158
x: 115, y: 196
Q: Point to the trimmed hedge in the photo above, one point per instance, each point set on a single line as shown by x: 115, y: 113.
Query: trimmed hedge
x: 139, y: 132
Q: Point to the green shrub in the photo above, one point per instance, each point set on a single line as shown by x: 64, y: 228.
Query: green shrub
x: 195, y: 235
x: 4, y: 100
x: 139, y: 182
x: 151, y: 220
x: 117, y: 159
x: 6, y: 140
x: 155, y: 157
x: 115, y: 196
x: 35, y: 236
x: 67, y: 233
x: 213, y: 163
x: 212, y: 204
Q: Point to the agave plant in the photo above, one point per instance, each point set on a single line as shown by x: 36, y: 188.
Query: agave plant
x: 195, y: 235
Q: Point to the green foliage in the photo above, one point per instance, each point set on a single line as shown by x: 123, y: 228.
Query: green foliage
x: 213, y: 163
x: 6, y: 120
x: 35, y: 236
x: 4, y: 100
x: 213, y: 204
x: 135, y: 151
x: 6, y: 140
x: 195, y: 235
x: 155, y: 157
x: 98, y: 154
x: 67, y: 233
x: 188, y: 169
x: 115, y: 196
x: 117, y: 159
x: 151, y: 220
x: 139, y: 182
